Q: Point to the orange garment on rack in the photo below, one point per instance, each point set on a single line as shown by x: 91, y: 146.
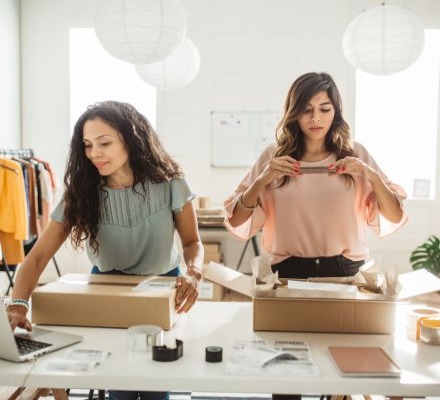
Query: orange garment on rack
x: 13, y: 216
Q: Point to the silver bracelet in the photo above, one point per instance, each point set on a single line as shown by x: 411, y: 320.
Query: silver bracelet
x: 19, y: 302
x: 244, y: 207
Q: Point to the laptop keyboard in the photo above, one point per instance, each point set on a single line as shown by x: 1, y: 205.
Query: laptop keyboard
x: 26, y: 346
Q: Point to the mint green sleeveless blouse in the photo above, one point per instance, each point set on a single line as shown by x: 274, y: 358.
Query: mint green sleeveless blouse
x: 135, y: 233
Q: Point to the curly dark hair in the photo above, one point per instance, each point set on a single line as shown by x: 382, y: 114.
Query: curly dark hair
x: 83, y: 184
x: 289, y: 137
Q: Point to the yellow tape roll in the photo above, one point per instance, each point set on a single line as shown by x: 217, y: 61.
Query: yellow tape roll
x: 428, y: 330
x: 414, y: 315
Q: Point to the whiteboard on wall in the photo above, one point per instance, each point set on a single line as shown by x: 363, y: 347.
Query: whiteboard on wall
x: 238, y: 138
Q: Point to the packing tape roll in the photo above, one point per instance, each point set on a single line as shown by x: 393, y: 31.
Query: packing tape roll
x: 144, y: 337
x: 428, y: 330
x: 414, y: 315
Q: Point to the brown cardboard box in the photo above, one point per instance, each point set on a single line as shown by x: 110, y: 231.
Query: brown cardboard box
x: 210, y: 291
x: 105, y: 301
x: 212, y: 252
x: 300, y: 311
x: 211, y: 256
x: 212, y: 247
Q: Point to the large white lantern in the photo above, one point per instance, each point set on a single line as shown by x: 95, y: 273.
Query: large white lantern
x: 175, y: 71
x: 140, y: 31
x: 383, y: 40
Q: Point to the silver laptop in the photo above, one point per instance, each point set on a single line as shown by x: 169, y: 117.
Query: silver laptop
x: 25, y: 345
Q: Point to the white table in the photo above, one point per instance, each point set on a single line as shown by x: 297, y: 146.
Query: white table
x: 221, y: 324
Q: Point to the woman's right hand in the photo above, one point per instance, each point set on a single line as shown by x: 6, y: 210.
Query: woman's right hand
x: 17, y: 317
x: 278, y: 167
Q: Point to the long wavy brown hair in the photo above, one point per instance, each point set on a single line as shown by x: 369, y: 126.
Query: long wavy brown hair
x: 290, y: 138
x: 83, y: 184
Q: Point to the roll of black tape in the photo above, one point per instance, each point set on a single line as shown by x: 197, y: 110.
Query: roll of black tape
x: 213, y: 354
x: 163, y: 353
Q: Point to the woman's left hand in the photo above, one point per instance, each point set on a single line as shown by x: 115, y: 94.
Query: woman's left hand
x: 187, y: 289
x: 353, y: 166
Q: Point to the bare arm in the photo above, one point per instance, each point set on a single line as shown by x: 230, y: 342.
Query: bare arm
x: 275, y: 169
x: 249, y: 198
x: 389, y: 205
x: 31, y: 269
x: 187, y: 286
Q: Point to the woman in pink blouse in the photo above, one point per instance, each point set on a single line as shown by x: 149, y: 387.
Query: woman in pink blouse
x: 314, y: 192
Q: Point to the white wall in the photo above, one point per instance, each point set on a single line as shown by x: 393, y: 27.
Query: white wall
x: 9, y: 83
x: 10, y: 74
x: 251, y: 51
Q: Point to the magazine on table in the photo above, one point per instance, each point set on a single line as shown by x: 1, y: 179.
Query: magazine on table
x: 291, y: 358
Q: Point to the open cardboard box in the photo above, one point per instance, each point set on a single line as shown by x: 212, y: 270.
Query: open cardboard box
x: 320, y: 311
x: 105, y: 301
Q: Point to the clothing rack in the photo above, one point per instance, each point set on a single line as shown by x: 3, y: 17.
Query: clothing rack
x: 24, y: 153
x: 10, y: 269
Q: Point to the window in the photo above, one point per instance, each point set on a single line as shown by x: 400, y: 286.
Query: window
x: 397, y: 120
x: 95, y: 76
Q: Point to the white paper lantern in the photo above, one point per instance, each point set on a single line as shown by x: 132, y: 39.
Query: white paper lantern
x: 175, y: 71
x: 140, y: 31
x: 383, y: 40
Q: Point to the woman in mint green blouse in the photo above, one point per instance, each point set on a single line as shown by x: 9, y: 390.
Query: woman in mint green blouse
x: 124, y: 199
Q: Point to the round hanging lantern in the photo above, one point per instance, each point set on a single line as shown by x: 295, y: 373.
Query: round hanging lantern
x: 175, y: 71
x: 140, y: 31
x: 383, y: 40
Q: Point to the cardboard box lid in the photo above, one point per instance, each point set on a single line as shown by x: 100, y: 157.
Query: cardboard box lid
x: 228, y: 277
x: 128, y: 280
x: 413, y: 283
x: 418, y: 282
x: 96, y: 284
x: 243, y: 284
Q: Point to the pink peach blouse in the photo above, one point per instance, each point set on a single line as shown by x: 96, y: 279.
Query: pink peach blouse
x: 315, y: 215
